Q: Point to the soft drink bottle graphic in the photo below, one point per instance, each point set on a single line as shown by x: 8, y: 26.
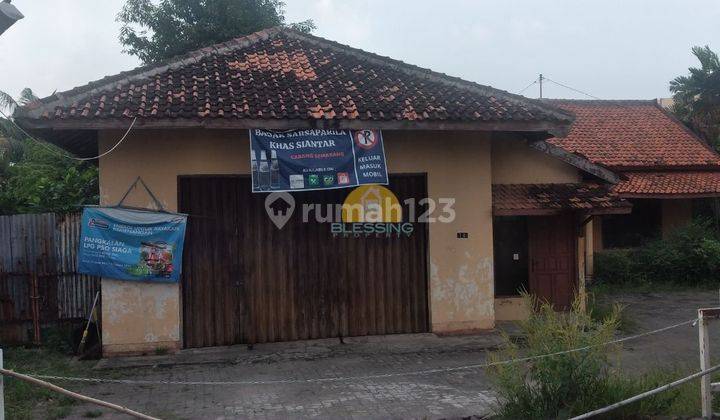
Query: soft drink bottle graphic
x: 274, y: 170
x: 254, y: 168
x: 264, y: 171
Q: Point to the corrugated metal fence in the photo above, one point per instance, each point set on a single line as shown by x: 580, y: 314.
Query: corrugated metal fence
x: 38, y: 252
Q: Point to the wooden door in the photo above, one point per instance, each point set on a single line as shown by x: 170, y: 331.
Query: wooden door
x: 245, y: 281
x: 553, y: 275
x: 212, y: 278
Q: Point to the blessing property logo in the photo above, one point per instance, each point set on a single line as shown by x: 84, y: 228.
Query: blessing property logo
x: 371, y: 210
x: 368, y: 211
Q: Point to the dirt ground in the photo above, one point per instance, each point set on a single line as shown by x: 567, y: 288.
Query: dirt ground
x: 451, y: 394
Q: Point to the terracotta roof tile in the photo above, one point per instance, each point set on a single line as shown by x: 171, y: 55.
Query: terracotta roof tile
x: 632, y: 135
x: 283, y: 74
x: 689, y: 183
x: 512, y: 198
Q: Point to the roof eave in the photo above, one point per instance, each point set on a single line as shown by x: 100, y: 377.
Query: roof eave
x: 669, y: 196
x: 286, y: 124
x: 577, y: 161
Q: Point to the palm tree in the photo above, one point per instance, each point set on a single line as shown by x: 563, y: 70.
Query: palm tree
x: 697, y: 96
x: 10, y: 136
x: 7, y: 102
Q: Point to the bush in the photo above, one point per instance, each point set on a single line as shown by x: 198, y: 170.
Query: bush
x: 559, y: 386
x: 617, y: 266
x: 575, y: 383
x: 689, y: 256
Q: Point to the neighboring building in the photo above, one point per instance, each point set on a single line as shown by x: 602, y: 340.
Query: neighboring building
x: 666, y: 170
x: 666, y: 103
x: 245, y: 281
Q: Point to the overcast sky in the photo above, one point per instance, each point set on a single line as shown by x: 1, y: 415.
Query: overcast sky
x: 611, y: 49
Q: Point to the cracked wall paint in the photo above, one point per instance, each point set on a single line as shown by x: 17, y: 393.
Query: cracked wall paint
x: 140, y: 314
x: 464, y: 292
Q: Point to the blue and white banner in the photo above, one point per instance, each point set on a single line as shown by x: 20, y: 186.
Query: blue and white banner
x: 300, y: 160
x: 129, y: 244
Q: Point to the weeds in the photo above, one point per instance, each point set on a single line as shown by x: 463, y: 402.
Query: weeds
x: 560, y: 386
x: 570, y: 384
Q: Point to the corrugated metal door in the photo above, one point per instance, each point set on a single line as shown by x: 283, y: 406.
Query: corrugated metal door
x: 245, y: 281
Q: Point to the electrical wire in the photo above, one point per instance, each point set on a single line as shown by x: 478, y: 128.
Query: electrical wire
x: 527, y: 87
x: 572, y: 88
x: 42, y: 143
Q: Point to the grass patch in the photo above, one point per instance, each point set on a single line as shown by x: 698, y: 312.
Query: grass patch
x: 682, y: 401
x: 22, y: 399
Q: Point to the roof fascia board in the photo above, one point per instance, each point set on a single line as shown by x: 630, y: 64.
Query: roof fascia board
x: 576, y: 160
x: 219, y: 123
x: 669, y: 196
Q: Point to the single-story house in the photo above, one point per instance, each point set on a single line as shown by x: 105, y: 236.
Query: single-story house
x: 667, y: 172
x: 520, y: 210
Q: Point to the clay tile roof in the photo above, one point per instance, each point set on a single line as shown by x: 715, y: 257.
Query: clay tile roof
x: 632, y: 135
x: 535, y: 199
x: 668, y: 184
x: 281, y: 74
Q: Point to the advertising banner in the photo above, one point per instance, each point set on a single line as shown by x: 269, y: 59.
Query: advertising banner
x: 129, y: 244
x: 300, y: 160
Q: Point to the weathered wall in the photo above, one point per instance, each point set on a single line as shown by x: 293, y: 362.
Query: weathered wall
x: 461, y: 270
x: 675, y: 213
x: 511, y: 309
x: 138, y: 317
x: 513, y: 162
x: 141, y: 317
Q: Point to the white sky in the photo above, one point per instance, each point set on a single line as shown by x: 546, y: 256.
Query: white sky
x: 612, y: 49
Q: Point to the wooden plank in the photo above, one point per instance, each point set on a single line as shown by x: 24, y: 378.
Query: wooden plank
x: 705, y: 381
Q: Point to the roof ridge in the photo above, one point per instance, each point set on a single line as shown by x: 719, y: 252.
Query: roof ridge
x: 603, y: 101
x: 148, y: 70
x: 429, y: 74
x: 70, y: 96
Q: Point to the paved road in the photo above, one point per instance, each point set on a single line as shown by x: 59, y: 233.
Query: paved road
x: 437, y: 395
x: 674, y: 348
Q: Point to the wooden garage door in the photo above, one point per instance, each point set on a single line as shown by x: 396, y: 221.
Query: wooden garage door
x: 245, y: 281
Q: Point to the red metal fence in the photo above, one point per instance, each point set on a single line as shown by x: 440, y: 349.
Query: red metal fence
x: 39, y: 283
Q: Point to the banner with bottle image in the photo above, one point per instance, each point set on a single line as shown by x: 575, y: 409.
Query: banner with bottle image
x: 127, y: 244
x: 299, y: 160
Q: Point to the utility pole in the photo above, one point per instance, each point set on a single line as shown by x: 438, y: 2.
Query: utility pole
x: 540, y: 80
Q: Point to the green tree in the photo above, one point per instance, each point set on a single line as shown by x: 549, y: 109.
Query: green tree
x: 37, y: 177
x: 697, y: 95
x: 41, y: 180
x: 157, y: 31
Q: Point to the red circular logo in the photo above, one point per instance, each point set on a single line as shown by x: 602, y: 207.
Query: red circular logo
x: 367, y: 139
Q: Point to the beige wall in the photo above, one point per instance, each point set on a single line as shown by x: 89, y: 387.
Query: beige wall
x: 139, y: 317
x: 511, y: 309
x: 513, y: 162
x: 675, y: 213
